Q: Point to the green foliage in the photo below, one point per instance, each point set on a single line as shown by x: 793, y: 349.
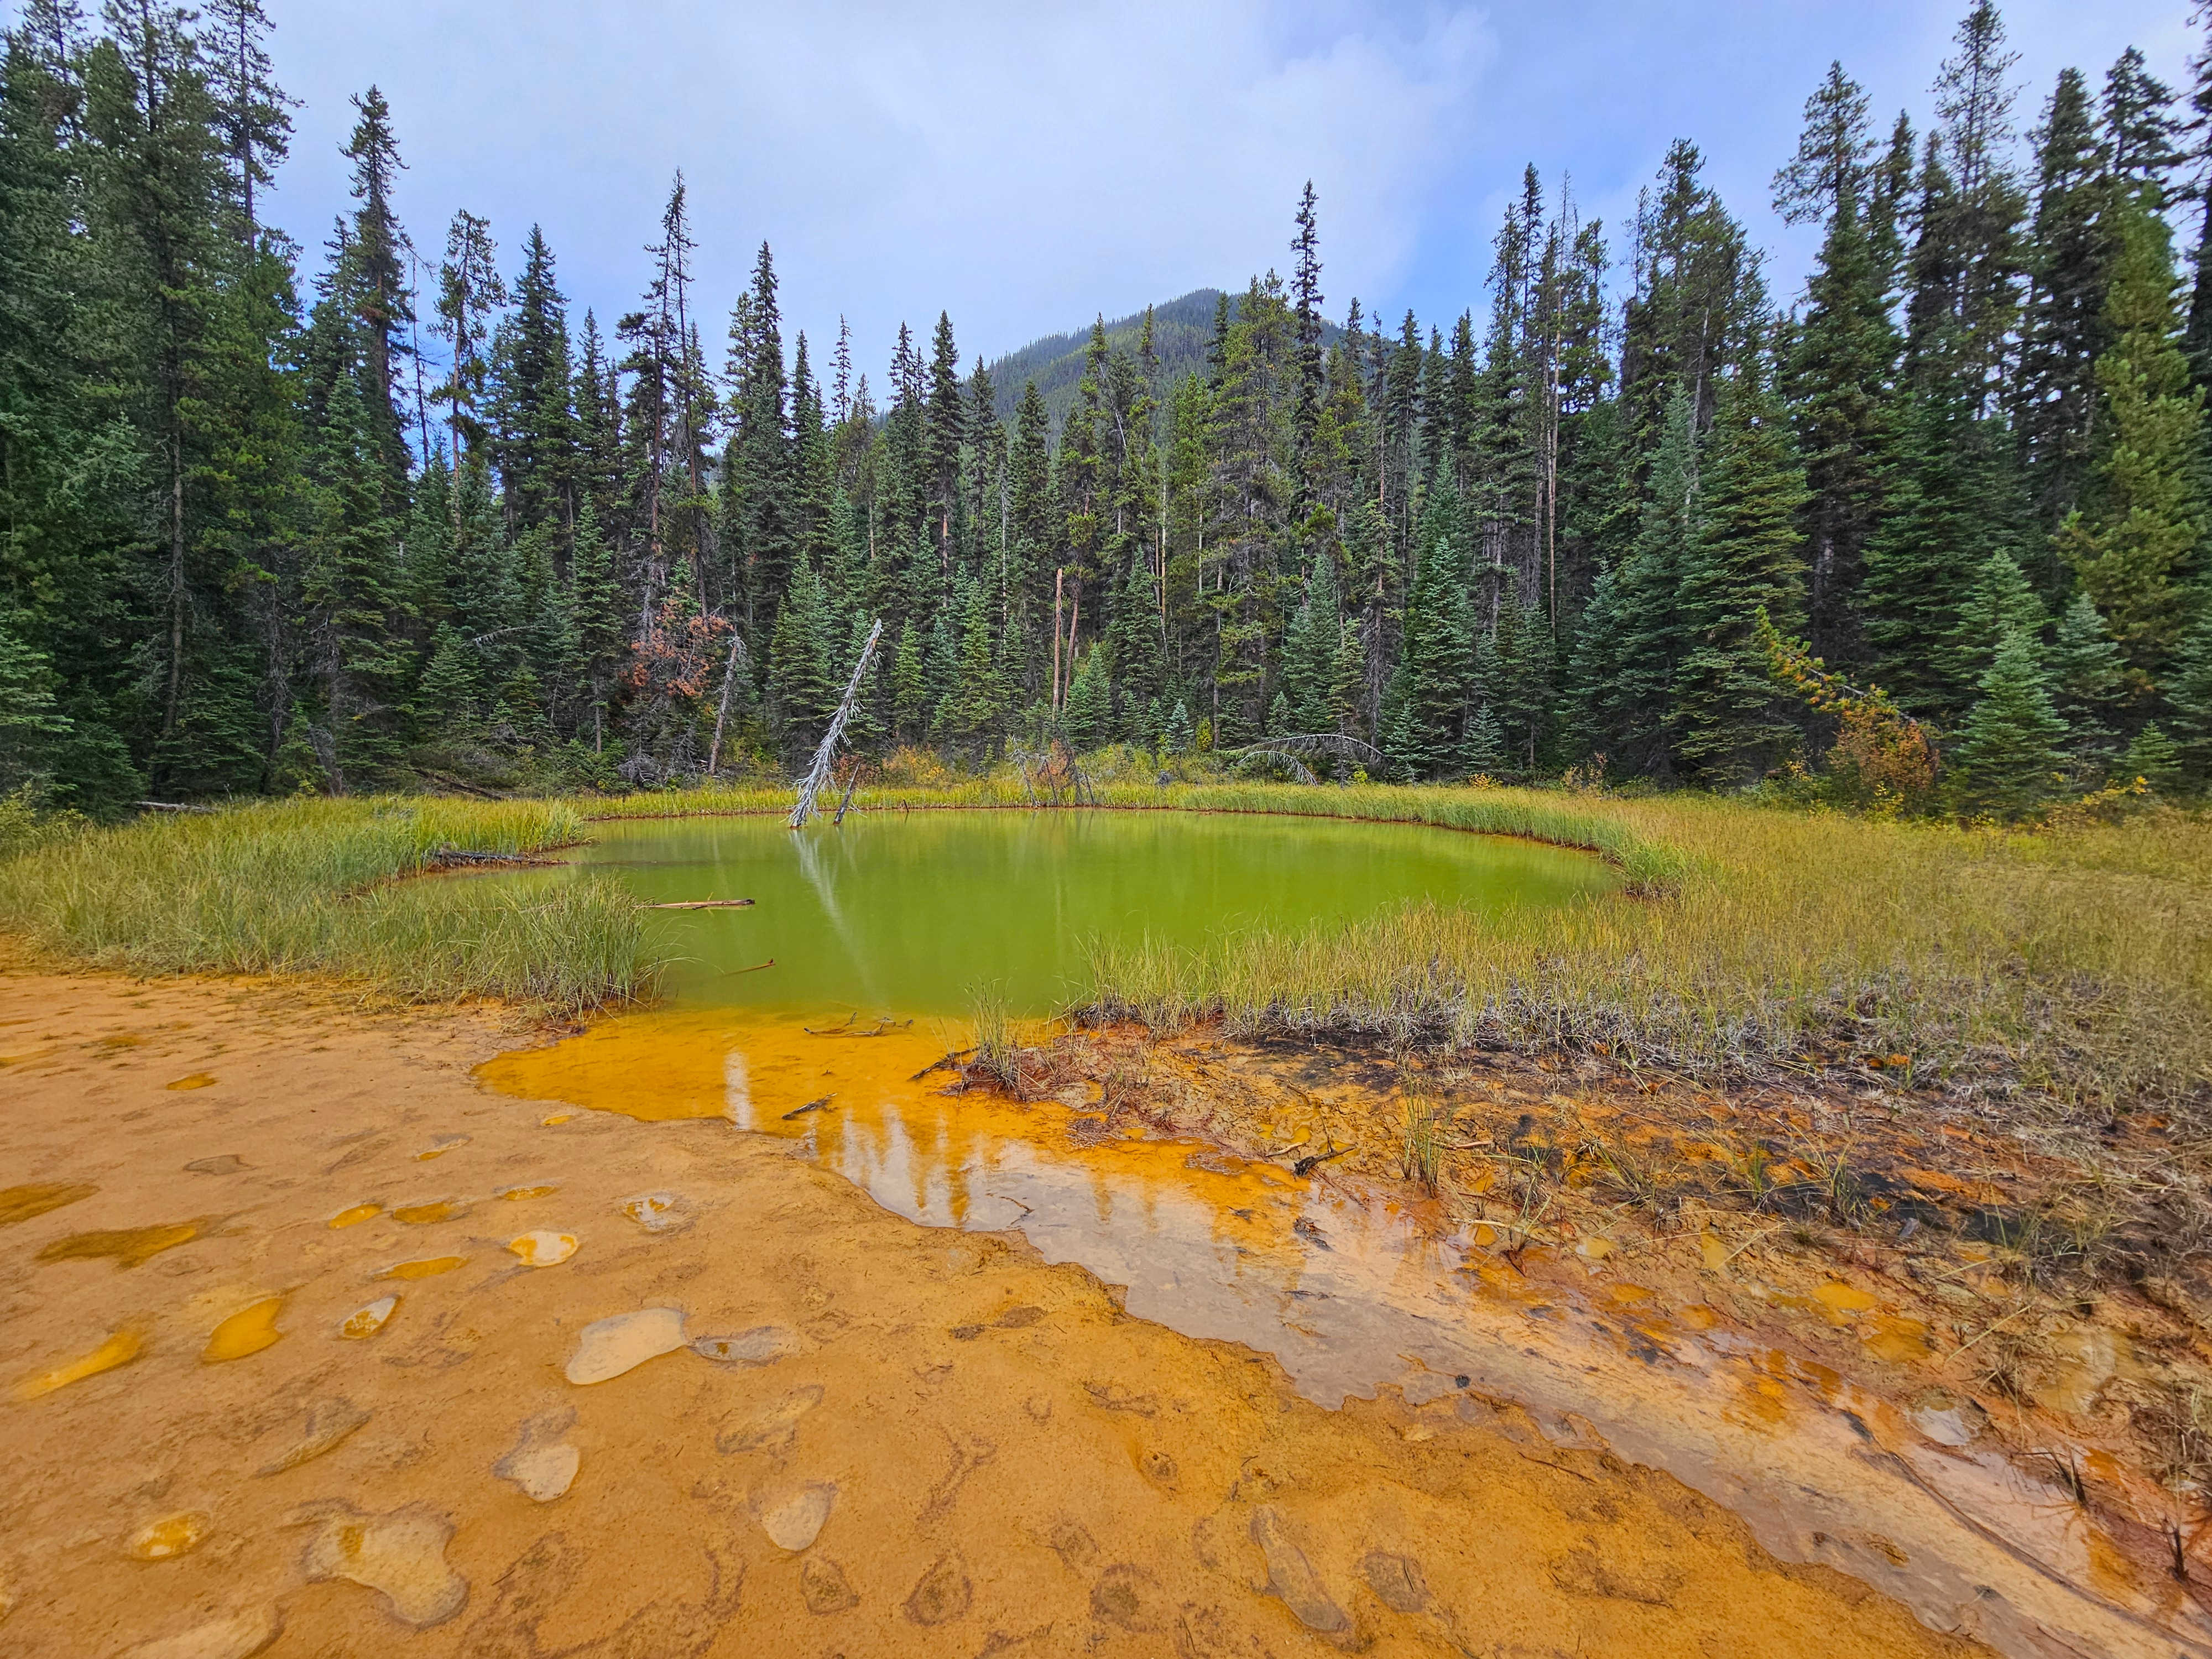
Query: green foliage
x: 2131, y: 544
x: 237, y: 556
x: 2008, y: 758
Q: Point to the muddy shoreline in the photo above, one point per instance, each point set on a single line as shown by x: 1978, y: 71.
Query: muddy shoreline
x: 1007, y: 1461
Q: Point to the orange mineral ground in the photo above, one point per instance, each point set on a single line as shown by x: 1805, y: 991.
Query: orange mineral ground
x: 695, y: 1338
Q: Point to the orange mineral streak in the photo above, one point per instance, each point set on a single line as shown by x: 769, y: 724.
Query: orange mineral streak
x: 120, y: 1349
x: 248, y: 1331
x: 426, y: 1267
x: 22, y: 1203
x: 127, y: 1247
x: 355, y: 1215
x: 1357, y: 1293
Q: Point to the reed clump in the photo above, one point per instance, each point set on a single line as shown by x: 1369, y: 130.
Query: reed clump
x: 315, y: 887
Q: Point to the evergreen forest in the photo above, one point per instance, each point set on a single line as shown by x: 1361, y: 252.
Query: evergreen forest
x: 388, y: 513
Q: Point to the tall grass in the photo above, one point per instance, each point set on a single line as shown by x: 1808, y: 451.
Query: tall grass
x: 2081, y: 965
x: 314, y: 886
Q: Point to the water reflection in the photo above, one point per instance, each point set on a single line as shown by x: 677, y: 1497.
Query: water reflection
x: 1352, y: 1292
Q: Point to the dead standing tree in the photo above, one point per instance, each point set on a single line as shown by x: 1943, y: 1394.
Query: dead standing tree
x: 738, y: 660
x: 818, y: 774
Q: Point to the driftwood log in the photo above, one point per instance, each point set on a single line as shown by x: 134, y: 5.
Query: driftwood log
x: 701, y: 904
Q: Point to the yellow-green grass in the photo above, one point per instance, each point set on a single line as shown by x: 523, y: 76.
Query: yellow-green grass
x: 2076, y: 962
x: 313, y: 887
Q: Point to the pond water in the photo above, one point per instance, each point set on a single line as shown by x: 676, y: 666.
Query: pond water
x: 898, y: 918
x: 911, y: 913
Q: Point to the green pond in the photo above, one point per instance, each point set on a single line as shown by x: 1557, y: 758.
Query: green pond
x: 910, y: 912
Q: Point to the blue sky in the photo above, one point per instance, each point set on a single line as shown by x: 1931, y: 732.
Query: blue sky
x: 1024, y: 166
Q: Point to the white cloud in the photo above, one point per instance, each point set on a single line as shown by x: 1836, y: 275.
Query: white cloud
x: 1019, y: 166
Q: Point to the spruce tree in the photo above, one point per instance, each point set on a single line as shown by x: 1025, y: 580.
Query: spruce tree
x: 2086, y: 681
x: 1743, y: 561
x: 2153, y: 757
x: 2189, y: 696
x: 2065, y: 328
x: 1837, y: 371
x: 2132, y: 542
x: 534, y: 403
x: 382, y: 303
x: 909, y: 685
x: 802, y: 681
x: 2000, y: 604
x: 2009, y: 757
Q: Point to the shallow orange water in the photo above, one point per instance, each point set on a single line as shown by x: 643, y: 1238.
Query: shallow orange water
x: 1353, y: 1294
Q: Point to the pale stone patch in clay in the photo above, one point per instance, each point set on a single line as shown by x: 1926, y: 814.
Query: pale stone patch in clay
x: 170, y: 1536
x: 620, y: 1342
x: 541, y: 1466
x: 1291, y: 1576
x: 234, y: 1636
x: 401, y: 1556
x: 792, y: 1520
x: 763, y: 1345
x: 773, y: 1428
x: 543, y: 1250
x: 329, y: 1423
x: 364, y: 1322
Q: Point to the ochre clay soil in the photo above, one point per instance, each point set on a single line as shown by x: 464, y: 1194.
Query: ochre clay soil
x: 2041, y: 1277
x: 279, y: 1376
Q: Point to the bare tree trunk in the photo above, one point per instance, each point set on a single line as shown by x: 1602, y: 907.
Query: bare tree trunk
x: 818, y: 773
x: 1058, y: 582
x: 722, y: 715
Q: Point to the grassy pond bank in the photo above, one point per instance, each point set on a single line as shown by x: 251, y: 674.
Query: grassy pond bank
x: 1853, y: 1173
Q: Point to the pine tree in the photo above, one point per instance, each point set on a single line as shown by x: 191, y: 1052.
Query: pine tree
x: 2009, y: 759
